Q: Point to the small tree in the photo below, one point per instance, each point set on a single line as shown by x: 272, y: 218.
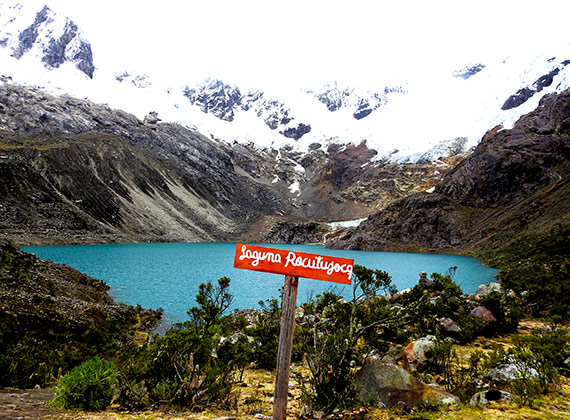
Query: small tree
x: 213, y: 302
x: 338, y: 340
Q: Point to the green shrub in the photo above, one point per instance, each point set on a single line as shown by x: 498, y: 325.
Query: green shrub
x: 195, y: 364
x: 339, y: 342
x: 538, y: 267
x: 440, y: 297
x: 506, y: 309
x: 213, y: 302
x: 444, y: 359
x: 266, y: 334
x: 90, y: 386
x: 539, y: 358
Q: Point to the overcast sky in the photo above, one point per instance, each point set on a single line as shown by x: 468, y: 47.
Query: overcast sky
x: 312, y: 41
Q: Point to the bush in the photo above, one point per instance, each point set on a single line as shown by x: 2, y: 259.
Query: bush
x: 90, y: 386
x: 339, y: 339
x: 194, y: 364
x: 538, y: 267
x: 506, y: 309
x: 441, y: 297
x: 539, y: 358
x: 266, y: 334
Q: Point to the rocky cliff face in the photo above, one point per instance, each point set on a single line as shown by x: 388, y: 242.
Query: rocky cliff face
x: 527, y: 92
x: 297, y: 233
x: 73, y: 166
x: 515, y: 181
x: 224, y: 101
x: 361, y: 106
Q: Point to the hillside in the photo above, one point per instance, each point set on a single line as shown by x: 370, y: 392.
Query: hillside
x: 53, y: 317
x: 514, y: 185
x: 73, y: 171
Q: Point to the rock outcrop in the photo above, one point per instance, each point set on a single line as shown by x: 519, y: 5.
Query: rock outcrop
x: 527, y: 92
x: 390, y: 386
x: 297, y: 233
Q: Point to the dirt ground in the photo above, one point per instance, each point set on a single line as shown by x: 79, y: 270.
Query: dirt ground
x: 18, y: 404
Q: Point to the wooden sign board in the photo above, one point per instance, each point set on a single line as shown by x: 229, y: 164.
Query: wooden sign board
x: 293, y: 263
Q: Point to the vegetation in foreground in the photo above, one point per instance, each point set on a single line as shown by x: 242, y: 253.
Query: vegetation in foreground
x: 200, y: 364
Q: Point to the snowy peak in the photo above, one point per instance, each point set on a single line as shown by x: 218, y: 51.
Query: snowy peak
x: 361, y: 104
x: 217, y: 98
x: 291, y: 115
x: 333, y: 97
x: 429, y: 114
x: 51, y: 37
x: 141, y: 81
x: 225, y: 101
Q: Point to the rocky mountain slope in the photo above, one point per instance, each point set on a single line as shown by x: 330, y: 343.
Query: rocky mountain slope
x: 75, y: 171
x: 515, y: 184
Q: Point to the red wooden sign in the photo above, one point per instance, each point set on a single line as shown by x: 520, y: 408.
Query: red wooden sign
x: 293, y: 263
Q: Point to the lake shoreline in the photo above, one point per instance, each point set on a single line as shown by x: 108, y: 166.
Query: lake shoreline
x: 166, y: 275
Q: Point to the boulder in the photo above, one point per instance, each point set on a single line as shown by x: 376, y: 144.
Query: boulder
x: 509, y: 372
x: 484, y: 397
x: 416, y: 351
x: 485, y: 289
x: 483, y: 313
x: 449, y: 326
x: 396, y: 352
x: 391, y: 386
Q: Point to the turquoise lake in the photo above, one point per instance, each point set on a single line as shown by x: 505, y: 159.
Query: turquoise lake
x: 167, y: 275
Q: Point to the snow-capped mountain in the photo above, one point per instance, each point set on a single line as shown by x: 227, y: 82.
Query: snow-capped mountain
x: 336, y: 98
x: 50, y: 37
x: 410, y: 121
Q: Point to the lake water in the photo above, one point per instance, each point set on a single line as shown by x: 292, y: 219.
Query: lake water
x: 167, y: 275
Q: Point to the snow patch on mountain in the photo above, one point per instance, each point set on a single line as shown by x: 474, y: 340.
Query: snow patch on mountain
x: 469, y: 70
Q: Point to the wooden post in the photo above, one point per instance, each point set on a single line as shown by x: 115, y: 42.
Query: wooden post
x: 285, y: 347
